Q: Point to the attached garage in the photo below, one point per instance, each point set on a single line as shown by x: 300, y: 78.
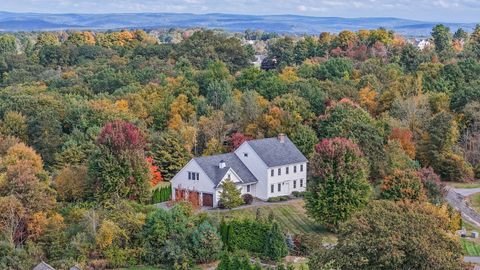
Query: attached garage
x: 207, y: 199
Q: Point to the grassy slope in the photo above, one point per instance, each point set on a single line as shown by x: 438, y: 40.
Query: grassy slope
x: 290, y: 215
x: 475, y: 184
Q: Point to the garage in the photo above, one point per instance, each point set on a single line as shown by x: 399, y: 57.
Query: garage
x: 207, y: 199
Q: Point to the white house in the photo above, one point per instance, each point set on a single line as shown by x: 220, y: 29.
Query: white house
x: 264, y: 168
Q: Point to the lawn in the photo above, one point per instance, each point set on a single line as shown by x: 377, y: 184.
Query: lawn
x: 291, y: 216
x: 474, y: 202
x: 470, y: 247
x: 475, y: 184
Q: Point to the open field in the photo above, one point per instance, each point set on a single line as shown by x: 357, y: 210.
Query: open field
x: 470, y: 247
x: 290, y: 215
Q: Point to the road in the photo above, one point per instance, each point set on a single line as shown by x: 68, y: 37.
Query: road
x: 456, y: 198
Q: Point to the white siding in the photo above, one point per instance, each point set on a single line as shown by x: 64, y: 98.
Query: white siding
x: 180, y: 180
x: 258, y: 168
x: 286, y: 181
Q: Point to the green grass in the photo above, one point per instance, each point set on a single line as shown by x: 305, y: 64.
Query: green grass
x: 465, y: 185
x: 470, y: 247
x: 474, y: 201
x: 143, y: 268
x: 291, y: 217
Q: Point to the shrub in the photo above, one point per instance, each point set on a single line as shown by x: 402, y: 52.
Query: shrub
x: 298, y: 194
x: 278, y: 199
x: 402, y: 185
x: 247, y: 198
x: 230, y: 197
x: 453, y: 167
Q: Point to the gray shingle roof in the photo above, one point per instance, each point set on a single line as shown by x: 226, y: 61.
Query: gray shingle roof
x: 209, y: 164
x: 274, y: 153
x: 43, y: 266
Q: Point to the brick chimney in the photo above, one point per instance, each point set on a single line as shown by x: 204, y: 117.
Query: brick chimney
x: 222, y: 164
x: 281, y: 137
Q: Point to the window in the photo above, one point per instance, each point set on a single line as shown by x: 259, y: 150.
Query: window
x: 279, y: 187
x: 301, y: 182
x: 295, y: 169
x: 294, y: 183
x: 245, y: 154
x: 272, y: 188
x: 287, y: 169
x: 248, y: 188
x: 301, y: 167
x: 279, y: 171
x: 272, y: 172
x: 193, y: 176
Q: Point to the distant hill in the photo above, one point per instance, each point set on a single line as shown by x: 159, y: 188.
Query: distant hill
x: 292, y: 24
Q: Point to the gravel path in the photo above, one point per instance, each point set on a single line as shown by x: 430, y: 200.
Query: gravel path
x: 456, y: 198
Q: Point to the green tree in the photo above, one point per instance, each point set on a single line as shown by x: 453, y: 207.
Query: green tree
x: 168, y: 154
x: 230, y: 197
x: 206, y: 243
x: 402, y: 235
x: 338, y: 185
x: 7, y: 44
x: 442, y: 38
x: 15, y: 124
x: 305, y: 138
x: 275, y: 244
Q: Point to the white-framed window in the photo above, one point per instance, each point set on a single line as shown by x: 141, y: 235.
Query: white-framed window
x: 248, y: 188
x: 272, y: 172
x: 279, y: 187
x: 245, y: 154
x: 294, y: 168
x: 301, y: 182
x: 287, y: 169
x: 279, y: 171
x: 301, y: 167
x: 193, y: 176
x: 272, y: 188
x: 294, y: 183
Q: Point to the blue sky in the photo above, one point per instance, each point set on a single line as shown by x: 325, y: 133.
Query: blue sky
x: 426, y: 10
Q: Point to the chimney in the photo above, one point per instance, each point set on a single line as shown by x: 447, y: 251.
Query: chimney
x: 281, y: 137
x: 222, y: 164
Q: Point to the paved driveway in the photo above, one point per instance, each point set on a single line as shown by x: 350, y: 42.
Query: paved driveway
x: 467, y: 191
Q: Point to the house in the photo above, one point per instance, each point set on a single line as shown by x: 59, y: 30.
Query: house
x: 264, y: 168
x: 43, y: 266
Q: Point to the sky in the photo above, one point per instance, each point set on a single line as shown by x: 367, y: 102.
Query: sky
x: 424, y: 10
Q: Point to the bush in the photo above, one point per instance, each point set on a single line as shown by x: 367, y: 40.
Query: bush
x: 247, y: 198
x: 298, y: 194
x: 162, y: 194
x: 477, y: 171
x: 278, y: 199
x: 453, y: 167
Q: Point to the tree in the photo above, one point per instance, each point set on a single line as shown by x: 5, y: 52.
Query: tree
x: 7, y: 44
x: 118, y: 168
x: 346, y: 119
x: 206, y: 243
x: 230, y: 195
x: 473, y: 45
x: 442, y: 37
x: 402, y: 234
x: 275, y: 246
x: 15, y: 124
x: 338, y: 185
x: 168, y: 154
x: 433, y: 185
x: 402, y: 185
x: 305, y: 138
x: 71, y: 183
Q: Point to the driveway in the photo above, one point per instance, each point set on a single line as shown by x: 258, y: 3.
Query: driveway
x: 465, y: 192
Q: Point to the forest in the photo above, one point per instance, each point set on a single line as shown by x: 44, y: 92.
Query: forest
x: 93, y: 123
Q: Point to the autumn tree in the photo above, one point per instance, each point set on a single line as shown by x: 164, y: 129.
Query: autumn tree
x: 402, y: 185
x: 118, y: 168
x: 338, y: 185
x: 71, y: 183
x: 15, y: 124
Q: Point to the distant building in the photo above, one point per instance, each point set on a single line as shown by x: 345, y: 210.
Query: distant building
x: 43, y: 266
